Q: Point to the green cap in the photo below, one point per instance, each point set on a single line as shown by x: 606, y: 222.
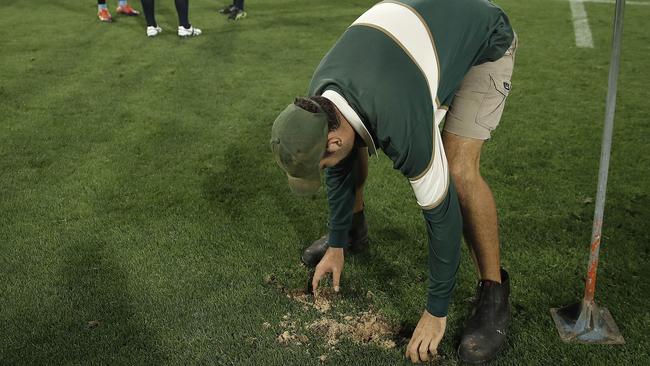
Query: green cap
x: 298, y: 142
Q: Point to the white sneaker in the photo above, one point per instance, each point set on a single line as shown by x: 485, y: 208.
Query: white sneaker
x: 188, y: 32
x: 153, y: 31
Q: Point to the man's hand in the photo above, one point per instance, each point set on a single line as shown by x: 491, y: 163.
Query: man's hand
x: 426, y: 337
x: 332, y: 262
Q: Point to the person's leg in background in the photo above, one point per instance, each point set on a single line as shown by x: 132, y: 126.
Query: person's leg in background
x: 474, y: 113
x: 152, y: 26
x: 148, y: 8
x: 102, y: 12
x: 185, y: 29
x: 182, y: 8
x: 234, y: 11
x: 124, y: 8
x: 237, y: 11
x: 227, y: 9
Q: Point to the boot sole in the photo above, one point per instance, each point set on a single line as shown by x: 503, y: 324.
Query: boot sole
x: 489, y: 359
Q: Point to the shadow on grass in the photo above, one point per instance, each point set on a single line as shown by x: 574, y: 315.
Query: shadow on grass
x: 249, y: 176
x: 103, y: 326
x: 237, y: 185
x: 377, y: 268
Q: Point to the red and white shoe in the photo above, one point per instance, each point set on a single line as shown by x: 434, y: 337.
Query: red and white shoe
x: 104, y: 15
x: 127, y: 10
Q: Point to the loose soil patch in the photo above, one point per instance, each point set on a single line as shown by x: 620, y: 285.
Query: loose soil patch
x: 364, y: 328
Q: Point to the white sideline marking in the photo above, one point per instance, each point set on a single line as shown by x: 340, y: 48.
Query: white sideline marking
x: 581, y: 24
x: 581, y: 21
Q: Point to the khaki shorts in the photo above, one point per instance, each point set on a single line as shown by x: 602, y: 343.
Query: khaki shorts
x: 479, y: 101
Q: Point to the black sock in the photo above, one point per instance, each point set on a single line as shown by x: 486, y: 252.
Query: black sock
x: 182, y: 7
x: 147, y: 7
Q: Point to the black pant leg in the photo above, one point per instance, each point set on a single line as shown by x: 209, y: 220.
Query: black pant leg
x: 148, y: 8
x: 182, y: 8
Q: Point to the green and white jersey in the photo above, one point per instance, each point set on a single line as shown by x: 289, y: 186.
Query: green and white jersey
x: 392, y: 74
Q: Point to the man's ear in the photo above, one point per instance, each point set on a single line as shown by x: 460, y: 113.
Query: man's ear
x: 334, y: 143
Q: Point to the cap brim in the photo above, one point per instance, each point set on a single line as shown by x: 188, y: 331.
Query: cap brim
x: 304, y: 186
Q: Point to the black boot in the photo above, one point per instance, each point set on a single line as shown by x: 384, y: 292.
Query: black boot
x: 358, y: 236
x: 485, y: 331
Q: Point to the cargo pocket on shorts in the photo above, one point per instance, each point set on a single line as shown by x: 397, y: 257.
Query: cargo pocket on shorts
x: 493, y: 103
x: 465, y: 107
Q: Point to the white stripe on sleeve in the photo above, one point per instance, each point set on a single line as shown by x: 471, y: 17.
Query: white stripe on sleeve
x: 407, y: 28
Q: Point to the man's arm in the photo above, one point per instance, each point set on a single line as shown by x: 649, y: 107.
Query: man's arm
x: 341, y: 185
x: 444, y: 228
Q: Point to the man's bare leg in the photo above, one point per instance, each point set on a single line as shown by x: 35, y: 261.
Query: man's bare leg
x: 480, y: 225
x: 485, y: 330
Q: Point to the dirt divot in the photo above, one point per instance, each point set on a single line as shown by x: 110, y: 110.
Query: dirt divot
x: 287, y: 338
x: 321, y: 300
x: 363, y: 328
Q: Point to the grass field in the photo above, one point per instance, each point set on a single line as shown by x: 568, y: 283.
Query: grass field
x: 137, y: 189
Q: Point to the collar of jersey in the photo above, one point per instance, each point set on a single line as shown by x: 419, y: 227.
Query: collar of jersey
x: 352, y: 117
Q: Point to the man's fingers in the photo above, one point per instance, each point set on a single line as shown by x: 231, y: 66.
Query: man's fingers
x: 336, y: 273
x: 408, y: 347
x: 424, y: 350
x: 433, y: 348
x: 413, y: 351
x: 316, y: 280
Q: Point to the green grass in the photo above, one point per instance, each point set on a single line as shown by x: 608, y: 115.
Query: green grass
x: 137, y: 189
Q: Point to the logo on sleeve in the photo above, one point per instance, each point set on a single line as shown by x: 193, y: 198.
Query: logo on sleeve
x: 506, y: 85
